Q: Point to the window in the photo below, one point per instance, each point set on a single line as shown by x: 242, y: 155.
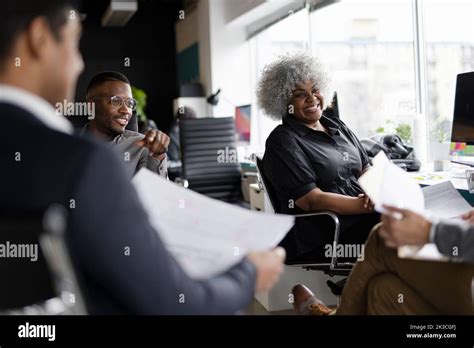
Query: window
x: 367, y: 46
x: 370, y: 51
x: 288, y: 35
x: 449, y: 33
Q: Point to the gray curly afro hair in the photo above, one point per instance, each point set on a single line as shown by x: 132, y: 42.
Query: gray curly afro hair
x: 279, y: 79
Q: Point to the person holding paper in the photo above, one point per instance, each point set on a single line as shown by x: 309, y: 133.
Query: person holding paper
x: 453, y: 238
x: 313, y: 161
x: 121, y: 260
x: 385, y: 284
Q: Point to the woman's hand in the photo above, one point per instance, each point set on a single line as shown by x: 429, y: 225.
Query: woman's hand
x: 469, y: 216
x: 367, y: 203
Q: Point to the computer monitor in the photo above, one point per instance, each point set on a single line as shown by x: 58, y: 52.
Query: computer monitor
x: 242, y: 124
x: 462, y: 136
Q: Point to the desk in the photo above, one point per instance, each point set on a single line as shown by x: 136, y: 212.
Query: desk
x: 427, y: 177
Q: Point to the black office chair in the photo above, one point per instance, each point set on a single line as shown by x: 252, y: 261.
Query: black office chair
x: 332, y: 111
x: 209, y: 158
x: 331, y: 268
x: 46, y: 284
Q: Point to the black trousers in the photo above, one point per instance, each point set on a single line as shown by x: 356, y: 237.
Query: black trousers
x: 311, y: 239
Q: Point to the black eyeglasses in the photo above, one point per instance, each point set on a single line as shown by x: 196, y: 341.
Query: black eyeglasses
x: 117, y: 102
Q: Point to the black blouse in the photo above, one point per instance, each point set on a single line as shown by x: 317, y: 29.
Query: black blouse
x: 299, y: 159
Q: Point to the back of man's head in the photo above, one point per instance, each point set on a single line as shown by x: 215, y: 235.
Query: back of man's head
x: 17, y: 15
x: 40, y: 37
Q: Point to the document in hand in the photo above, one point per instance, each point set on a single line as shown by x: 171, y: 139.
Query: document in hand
x: 206, y: 236
x: 385, y: 183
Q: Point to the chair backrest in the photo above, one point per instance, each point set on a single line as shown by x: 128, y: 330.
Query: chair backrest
x: 37, y: 276
x: 266, y: 184
x: 333, y: 110
x: 209, y: 157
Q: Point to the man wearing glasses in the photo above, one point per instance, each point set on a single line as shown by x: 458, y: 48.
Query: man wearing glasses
x: 114, y: 104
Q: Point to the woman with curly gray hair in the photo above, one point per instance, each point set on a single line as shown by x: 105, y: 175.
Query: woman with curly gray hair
x: 312, y: 161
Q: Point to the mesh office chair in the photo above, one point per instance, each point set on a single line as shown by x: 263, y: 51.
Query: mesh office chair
x: 46, y: 286
x: 209, y: 158
x: 331, y: 268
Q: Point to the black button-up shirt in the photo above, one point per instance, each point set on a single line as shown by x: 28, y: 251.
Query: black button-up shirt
x: 299, y: 159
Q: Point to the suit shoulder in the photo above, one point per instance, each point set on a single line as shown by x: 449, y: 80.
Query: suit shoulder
x: 82, y: 150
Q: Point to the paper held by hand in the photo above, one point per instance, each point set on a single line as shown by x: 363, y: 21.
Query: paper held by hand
x: 205, y: 236
x: 387, y: 184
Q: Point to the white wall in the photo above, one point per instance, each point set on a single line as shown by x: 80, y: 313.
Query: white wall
x: 220, y: 27
x: 229, y: 54
x: 204, y: 38
x: 195, y: 28
x: 223, y: 51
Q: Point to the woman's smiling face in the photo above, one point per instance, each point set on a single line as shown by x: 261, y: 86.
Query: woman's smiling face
x: 307, y: 103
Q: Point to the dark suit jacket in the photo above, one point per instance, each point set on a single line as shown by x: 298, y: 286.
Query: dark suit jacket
x: 106, y: 219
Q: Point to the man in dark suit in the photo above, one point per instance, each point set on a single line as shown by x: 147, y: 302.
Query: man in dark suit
x: 123, y: 264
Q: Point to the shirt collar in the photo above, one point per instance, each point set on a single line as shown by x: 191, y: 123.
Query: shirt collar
x: 302, y: 130
x: 37, y: 106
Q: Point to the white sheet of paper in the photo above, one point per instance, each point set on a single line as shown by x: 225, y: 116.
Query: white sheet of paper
x: 444, y: 201
x: 385, y: 183
x: 206, y: 236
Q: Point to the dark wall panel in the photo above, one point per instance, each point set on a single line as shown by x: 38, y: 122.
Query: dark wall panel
x: 148, y: 40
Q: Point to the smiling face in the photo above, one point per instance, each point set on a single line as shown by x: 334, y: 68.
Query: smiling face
x: 308, y: 103
x: 110, y: 120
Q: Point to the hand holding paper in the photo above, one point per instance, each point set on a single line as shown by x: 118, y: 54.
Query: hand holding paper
x: 388, y: 185
x: 206, y: 236
x: 412, y: 229
x: 385, y: 183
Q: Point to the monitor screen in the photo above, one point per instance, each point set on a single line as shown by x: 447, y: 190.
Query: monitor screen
x: 462, y: 136
x: 242, y: 123
x: 463, y: 120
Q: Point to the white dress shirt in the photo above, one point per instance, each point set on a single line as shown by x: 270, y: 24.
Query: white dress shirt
x: 37, y: 106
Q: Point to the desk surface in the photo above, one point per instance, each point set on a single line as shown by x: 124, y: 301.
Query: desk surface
x: 433, y: 178
x: 427, y: 177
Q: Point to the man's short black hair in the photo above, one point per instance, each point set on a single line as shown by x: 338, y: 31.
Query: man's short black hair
x: 16, y: 15
x: 104, y: 76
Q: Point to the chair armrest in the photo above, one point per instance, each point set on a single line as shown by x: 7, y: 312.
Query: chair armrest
x: 337, y: 228
x: 181, y: 182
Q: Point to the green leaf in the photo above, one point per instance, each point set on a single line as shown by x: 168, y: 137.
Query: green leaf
x: 403, y: 130
x: 140, y: 96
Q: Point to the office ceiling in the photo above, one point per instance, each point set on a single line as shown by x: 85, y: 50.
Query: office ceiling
x: 94, y: 9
